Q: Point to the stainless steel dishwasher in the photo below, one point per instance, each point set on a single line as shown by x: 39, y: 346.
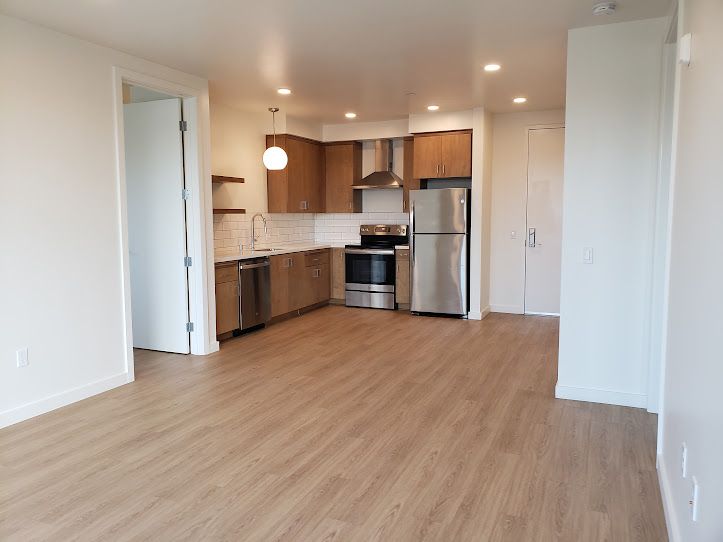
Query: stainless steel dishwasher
x: 255, y: 292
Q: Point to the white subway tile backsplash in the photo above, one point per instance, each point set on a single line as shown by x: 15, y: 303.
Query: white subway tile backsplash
x: 231, y: 231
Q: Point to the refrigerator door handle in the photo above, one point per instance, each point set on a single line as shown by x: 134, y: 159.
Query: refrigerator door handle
x: 531, y: 238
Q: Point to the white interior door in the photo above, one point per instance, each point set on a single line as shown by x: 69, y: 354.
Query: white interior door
x: 544, y: 220
x: 156, y: 225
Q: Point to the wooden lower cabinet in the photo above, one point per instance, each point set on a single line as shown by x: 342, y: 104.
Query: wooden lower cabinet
x: 338, y: 274
x: 402, y: 279
x: 280, y: 278
x: 299, y: 280
x: 227, y: 298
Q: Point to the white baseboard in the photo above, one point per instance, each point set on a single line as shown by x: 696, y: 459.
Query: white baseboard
x: 30, y: 410
x: 509, y: 309
x: 474, y: 315
x: 609, y: 397
x: 666, y: 494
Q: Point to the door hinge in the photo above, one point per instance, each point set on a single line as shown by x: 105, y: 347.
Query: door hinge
x: 183, y: 125
x: 189, y: 327
x: 186, y: 193
x: 187, y: 261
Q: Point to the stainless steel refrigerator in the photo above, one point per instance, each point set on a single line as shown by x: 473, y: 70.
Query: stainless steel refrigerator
x: 439, y: 245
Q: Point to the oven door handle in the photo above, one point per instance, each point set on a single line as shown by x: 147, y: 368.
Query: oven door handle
x: 385, y: 252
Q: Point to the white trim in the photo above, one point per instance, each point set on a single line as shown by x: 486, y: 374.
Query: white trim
x: 474, y: 315
x: 608, y: 397
x: 509, y: 309
x: 530, y: 313
x: 199, y: 218
x: 668, y: 247
x: 29, y: 410
x: 671, y: 521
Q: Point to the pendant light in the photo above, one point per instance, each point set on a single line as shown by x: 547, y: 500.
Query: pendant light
x: 275, y: 157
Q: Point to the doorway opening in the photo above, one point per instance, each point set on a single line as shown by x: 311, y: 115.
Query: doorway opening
x: 158, y: 241
x: 543, y: 244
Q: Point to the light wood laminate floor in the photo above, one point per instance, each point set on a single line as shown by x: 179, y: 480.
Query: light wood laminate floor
x: 344, y: 424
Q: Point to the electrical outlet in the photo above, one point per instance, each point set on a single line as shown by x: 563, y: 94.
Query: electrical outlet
x: 694, y: 499
x: 684, y: 460
x: 21, y: 357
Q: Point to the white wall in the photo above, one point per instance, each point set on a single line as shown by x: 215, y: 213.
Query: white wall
x: 658, y: 285
x: 613, y: 87
x: 303, y: 128
x: 238, y: 141
x: 509, y: 200
x: 481, y: 213
x: 692, y: 410
x: 61, y: 270
x: 440, y: 121
x: 357, y: 131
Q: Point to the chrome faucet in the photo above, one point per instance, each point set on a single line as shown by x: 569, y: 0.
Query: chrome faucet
x: 253, y: 229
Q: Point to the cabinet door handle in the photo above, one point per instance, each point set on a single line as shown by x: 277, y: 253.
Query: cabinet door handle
x: 442, y: 169
x: 437, y: 170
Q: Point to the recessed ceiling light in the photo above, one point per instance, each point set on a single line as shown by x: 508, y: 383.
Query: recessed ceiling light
x: 433, y: 107
x: 492, y: 67
x: 284, y: 91
x: 350, y: 115
x: 520, y: 100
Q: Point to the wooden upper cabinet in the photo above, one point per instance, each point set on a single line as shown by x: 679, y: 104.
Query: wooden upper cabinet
x: 443, y: 155
x: 277, y: 182
x: 299, y: 187
x: 315, y: 194
x: 343, y: 165
x: 457, y: 155
x: 427, y: 156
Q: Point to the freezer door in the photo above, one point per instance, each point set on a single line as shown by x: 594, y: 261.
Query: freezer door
x: 439, y: 273
x: 439, y: 211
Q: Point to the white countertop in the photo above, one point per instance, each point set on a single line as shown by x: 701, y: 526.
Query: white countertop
x: 231, y: 255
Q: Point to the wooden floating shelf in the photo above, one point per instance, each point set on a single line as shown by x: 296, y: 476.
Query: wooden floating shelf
x: 222, y: 179
x: 229, y: 211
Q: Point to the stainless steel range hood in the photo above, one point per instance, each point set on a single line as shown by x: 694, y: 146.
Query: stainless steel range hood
x: 383, y: 176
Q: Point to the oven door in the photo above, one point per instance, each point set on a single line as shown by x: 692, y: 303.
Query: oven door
x: 370, y: 270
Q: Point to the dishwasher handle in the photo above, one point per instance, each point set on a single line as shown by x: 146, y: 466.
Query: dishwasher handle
x: 253, y: 265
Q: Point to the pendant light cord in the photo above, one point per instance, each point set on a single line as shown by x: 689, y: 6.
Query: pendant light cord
x: 273, y: 121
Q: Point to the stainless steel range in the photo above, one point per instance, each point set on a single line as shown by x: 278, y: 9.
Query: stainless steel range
x: 370, y: 266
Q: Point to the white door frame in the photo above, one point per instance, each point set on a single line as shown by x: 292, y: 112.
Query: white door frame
x: 528, y: 129
x: 199, y: 221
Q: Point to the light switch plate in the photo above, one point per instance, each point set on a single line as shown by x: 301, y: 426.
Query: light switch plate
x: 684, y: 460
x: 21, y: 357
x: 587, y: 255
x: 684, y: 49
x: 694, y: 498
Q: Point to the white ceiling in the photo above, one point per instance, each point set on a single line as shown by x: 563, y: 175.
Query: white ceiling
x: 344, y: 55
